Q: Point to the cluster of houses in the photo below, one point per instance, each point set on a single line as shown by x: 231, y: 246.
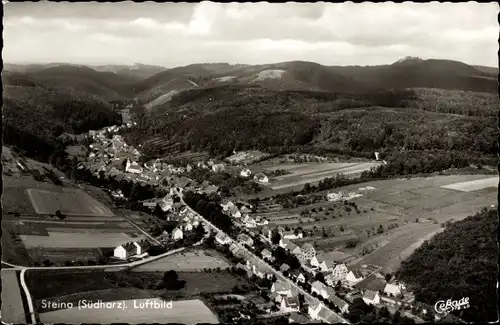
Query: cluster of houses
x: 132, y: 249
x: 242, y: 216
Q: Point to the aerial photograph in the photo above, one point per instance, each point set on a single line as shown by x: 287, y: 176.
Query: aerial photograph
x: 250, y: 163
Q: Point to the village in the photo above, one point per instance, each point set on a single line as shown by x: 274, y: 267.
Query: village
x: 325, y: 276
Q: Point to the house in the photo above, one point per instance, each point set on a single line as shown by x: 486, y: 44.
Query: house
x: 222, y: 239
x: 290, y: 304
x: 299, y: 276
x: 267, y: 254
x: 338, y: 273
x: 314, y: 309
x: 332, y: 197
x: 245, y: 172
x: 133, y: 167
x: 142, y: 246
x: 394, y: 289
x: 371, y: 297
x: 261, y: 178
x: 217, y: 168
x: 323, y: 262
x: 308, y: 252
x: 245, y: 268
x: 296, y: 318
x: 353, y: 277
x: 284, y: 267
x: 177, y: 234
x: 319, y: 288
x: 228, y: 206
x: 294, y: 249
x: 266, y: 232
x: 249, y: 222
x: 285, y: 242
x: 293, y: 234
x: 187, y: 226
x: 339, y: 303
x: 244, y: 239
x: 125, y: 251
x: 282, y: 288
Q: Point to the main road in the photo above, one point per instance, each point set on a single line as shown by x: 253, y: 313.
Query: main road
x: 332, y: 318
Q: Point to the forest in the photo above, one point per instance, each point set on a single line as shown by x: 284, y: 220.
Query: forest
x: 222, y: 119
x: 34, y: 117
x: 462, y: 261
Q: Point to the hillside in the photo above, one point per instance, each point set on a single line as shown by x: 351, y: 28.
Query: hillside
x: 224, y: 118
x: 34, y: 117
x: 136, y: 71
x: 460, y: 262
x: 444, y: 74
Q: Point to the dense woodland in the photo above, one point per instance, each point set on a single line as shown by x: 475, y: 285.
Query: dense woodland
x: 34, y: 117
x: 462, y: 261
x: 223, y: 119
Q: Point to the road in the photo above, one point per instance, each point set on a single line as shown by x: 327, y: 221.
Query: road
x: 279, y: 275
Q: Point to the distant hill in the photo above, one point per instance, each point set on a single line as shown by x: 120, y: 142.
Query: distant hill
x: 411, y: 73
x: 137, y: 71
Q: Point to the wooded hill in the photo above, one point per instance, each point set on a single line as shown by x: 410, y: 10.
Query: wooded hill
x: 462, y: 261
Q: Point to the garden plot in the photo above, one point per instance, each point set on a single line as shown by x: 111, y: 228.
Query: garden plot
x: 184, y: 312
x: 473, y: 185
x: 186, y: 261
x: 12, y: 303
x: 57, y: 255
x: 76, y: 240
x: 70, y: 202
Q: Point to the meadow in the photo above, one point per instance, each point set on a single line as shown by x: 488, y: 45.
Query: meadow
x: 186, y: 262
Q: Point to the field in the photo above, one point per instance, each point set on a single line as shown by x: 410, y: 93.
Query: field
x: 186, y: 261
x: 69, y: 202
x: 408, y: 210
x: 31, y: 237
x: 184, y: 311
x: 473, y: 185
x: 311, y: 173
x: 12, y: 303
x: 246, y: 157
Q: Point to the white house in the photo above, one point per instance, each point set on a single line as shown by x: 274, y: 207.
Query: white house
x: 308, y: 252
x: 395, y: 289
x: 222, y: 239
x: 249, y: 222
x: 338, y: 273
x: 125, y: 251
x: 187, y: 226
x: 377, y: 155
x: 371, y: 298
x: 291, y: 234
x: 261, y: 178
x: 245, y: 172
x: 177, y: 234
x: 133, y: 167
x: 314, y: 309
x: 353, y: 277
x: 267, y: 254
x: 142, y: 246
x: 319, y: 288
x: 323, y: 262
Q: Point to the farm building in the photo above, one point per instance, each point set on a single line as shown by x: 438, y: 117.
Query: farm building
x: 245, y: 173
x: 266, y: 232
x: 125, y: 251
x: 299, y: 276
x: 133, y: 167
x: 323, y: 262
x: 371, y: 297
x: 332, y: 197
x: 261, y: 178
x: 394, y: 289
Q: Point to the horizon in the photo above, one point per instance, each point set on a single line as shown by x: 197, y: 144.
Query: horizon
x: 180, y: 34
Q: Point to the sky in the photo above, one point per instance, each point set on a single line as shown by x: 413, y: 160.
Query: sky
x: 177, y: 34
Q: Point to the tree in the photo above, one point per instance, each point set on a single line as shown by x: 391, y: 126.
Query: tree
x: 275, y: 237
x: 60, y: 215
x: 380, y: 229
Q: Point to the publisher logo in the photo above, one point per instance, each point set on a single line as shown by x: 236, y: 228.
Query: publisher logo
x: 449, y: 305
